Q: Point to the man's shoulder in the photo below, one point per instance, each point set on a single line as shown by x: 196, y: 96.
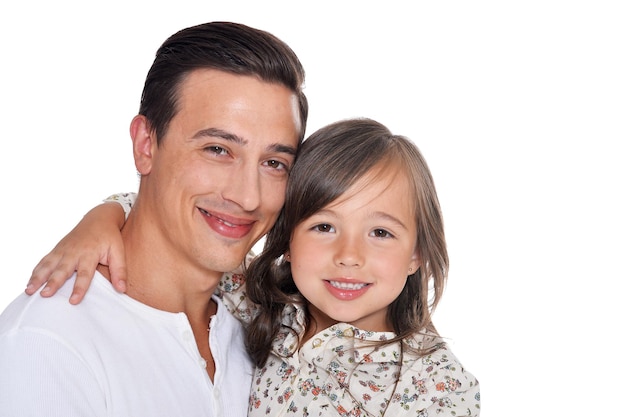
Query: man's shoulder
x: 52, y: 314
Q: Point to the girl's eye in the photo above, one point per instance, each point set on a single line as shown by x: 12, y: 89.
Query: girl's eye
x: 324, y: 228
x: 381, y: 233
x: 218, y: 150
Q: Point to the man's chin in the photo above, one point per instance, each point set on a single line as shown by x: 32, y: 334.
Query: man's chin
x: 228, y: 263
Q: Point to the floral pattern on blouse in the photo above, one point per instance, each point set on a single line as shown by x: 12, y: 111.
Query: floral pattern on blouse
x: 339, y: 371
x: 126, y: 200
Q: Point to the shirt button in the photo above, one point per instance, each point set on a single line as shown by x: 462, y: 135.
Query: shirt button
x: 202, y: 363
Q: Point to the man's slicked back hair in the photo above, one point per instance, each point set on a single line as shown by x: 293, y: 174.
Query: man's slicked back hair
x: 225, y: 46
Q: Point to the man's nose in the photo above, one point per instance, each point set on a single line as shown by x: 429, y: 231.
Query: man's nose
x: 244, y: 188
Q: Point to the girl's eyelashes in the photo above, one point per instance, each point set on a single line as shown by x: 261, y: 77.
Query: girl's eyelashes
x: 323, y: 228
x: 382, y: 233
x: 377, y: 233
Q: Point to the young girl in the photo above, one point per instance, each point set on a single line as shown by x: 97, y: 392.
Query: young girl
x: 339, y: 304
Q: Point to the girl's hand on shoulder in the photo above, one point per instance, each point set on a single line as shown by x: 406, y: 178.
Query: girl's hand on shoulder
x: 96, y: 239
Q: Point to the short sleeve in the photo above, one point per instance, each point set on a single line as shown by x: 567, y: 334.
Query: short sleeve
x: 126, y: 200
x: 42, y: 376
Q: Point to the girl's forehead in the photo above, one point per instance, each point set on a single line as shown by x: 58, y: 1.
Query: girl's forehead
x: 375, y: 182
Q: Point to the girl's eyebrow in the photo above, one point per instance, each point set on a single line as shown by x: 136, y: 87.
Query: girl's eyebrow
x: 374, y: 215
x: 389, y: 217
x: 231, y: 137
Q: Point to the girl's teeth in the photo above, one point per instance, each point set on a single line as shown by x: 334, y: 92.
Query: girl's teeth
x: 347, y: 285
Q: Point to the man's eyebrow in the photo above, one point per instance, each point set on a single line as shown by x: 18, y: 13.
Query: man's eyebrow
x: 219, y: 133
x: 215, y: 132
x: 280, y: 148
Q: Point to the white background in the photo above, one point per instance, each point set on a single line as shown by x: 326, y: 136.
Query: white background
x: 519, y: 107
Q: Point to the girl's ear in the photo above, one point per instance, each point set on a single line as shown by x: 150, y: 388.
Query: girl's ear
x: 414, y: 264
x: 144, y: 144
x: 287, y: 256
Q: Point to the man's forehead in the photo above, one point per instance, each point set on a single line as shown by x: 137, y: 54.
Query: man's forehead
x: 238, y: 108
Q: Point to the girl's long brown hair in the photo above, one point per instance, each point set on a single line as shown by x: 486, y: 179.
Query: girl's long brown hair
x: 330, y: 161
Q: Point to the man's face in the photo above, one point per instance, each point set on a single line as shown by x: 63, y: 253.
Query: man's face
x: 217, y: 181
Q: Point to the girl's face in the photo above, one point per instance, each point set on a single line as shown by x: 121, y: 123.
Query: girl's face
x: 351, y: 259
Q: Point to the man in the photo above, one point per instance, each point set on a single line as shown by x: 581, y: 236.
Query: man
x: 221, y: 117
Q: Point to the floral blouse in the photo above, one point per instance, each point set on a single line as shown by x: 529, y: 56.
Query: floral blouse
x: 340, y: 372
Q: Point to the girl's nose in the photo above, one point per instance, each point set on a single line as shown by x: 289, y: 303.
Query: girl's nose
x: 349, y: 252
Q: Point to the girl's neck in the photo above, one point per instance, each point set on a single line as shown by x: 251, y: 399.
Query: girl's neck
x: 311, y: 330
x: 318, y: 321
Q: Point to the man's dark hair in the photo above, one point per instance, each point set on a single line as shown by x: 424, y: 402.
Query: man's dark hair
x: 225, y: 46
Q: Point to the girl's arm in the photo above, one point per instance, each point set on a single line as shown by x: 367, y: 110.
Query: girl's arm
x: 96, y: 239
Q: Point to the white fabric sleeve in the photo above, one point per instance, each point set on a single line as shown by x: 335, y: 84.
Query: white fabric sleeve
x: 126, y: 200
x: 46, y: 378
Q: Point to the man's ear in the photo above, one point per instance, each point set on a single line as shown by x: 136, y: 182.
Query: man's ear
x: 144, y: 144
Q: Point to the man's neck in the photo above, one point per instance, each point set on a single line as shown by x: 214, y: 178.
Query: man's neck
x: 158, y: 274
x: 161, y: 276
x: 151, y: 282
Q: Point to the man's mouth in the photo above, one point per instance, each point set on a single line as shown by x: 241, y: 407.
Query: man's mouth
x: 227, y: 223
x: 226, y: 226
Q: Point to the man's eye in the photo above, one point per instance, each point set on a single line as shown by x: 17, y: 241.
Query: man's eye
x: 218, y: 150
x: 273, y: 163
